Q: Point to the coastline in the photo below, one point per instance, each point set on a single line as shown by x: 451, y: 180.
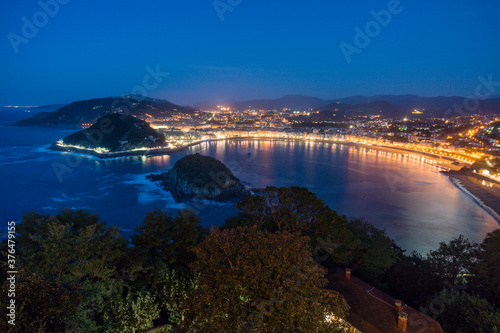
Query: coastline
x: 478, y: 188
x: 144, y: 152
x: 166, y: 151
x: 141, y: 152
x: 471, y: 184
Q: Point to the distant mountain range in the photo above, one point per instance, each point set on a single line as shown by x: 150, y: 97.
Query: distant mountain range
x: 332, y: 111
x: 88, y: 111
x: 387, y: 106
x: 288, y: 101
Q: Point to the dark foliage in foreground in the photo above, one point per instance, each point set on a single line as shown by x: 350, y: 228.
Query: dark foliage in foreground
x: 79, y: 275
x: 257, y: 280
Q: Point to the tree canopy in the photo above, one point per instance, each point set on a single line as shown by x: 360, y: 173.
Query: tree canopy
x: 255, y: 273
x: 41, y: 305
x: 296, y: 209
x: 100, y: 281
x: 73, y: 245
x: 374, y: 254
x: 462, y: 312
x: 486, y: 273
x: 453, y: 260
x: 164, y: 240
x: 251, y: 279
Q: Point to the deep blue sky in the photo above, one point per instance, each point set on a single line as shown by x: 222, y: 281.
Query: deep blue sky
x: 262, y: 49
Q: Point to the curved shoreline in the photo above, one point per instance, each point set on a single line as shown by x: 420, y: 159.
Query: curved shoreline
x: 476, y: 187
x: 145, y: 152
x: 478, y: 195
x: 476, y: 199
x: 395, y: 150
x: 167, y: 151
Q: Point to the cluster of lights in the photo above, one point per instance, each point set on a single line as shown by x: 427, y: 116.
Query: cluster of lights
x: 462, y: 156
x: 100, y: 150
x: 180, y: 141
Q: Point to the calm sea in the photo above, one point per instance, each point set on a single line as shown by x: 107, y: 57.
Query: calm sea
x: 417, y: 205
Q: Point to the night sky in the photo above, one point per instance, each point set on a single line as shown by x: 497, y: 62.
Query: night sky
x: 246, y: 49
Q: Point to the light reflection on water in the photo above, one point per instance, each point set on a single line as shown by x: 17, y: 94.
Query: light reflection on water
x: 421, y: 208
x: 412, y: 200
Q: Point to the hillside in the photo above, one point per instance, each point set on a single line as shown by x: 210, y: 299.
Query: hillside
x: 431, y: 106
x: 125, y: 133
x: 382, y: 108
x: 389, y: 106
x: 386, y: 105
x: 88, y: 111
x: 295, y: 102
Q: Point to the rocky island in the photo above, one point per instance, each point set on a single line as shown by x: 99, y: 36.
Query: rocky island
x: 113, y: 134
x: 201, y: 177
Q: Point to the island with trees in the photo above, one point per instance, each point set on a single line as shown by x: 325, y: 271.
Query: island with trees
x: 201, y: 177
x: 113, y: 135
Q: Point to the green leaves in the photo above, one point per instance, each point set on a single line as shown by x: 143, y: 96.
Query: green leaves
x: 120, y: 288
x: 41, y: 305
x: 164, y: 240
x: 72, y: 246
x: 135, y: 310
x: 453, y: 260
x: 374, y: 254
x: 253, y: 279
x: 296, y: 209
x: 463, y: 312
x: 486, y: 273
x: 79, y: 275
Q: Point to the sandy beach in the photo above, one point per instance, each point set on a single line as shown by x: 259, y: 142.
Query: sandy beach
x: 483, y: 188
